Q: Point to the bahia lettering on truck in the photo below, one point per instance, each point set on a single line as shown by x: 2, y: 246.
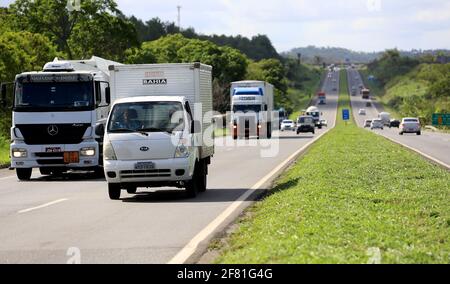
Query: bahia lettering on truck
x: 251, y: 108
x: 55, y: 113
x: 159, y: 132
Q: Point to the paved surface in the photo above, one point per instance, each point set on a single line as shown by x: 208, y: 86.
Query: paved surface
x: 41, y: 219
x: 436, y: 145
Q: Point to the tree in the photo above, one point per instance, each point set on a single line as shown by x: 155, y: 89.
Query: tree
x: 97, y: 27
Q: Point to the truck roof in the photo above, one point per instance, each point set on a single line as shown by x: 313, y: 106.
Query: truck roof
x: 312, y: 109
x: 163, y: 65
x: 150, y: 99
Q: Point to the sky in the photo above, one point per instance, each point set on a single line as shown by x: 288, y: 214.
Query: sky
x: 361, y: 25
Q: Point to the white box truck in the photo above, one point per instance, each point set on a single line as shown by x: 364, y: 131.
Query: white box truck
x: 159, y: 132
x: 252, y: 109
x: 55, y: 112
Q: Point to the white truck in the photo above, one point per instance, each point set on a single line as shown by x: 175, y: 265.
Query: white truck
x: 251, y: 108
x: 316, y: 114
x: 385, y: 118
x: 160, y: 130
x: 55, y: 112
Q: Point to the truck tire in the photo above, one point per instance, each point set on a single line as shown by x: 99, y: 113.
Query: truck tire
x: 114, y: 191
x: 198, y: 182
x: 269, y: 130
x: 24, y: 174
x: 419, y: 133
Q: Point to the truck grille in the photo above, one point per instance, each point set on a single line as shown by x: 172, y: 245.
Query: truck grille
x: 42, y: 134
x: 145, y: 174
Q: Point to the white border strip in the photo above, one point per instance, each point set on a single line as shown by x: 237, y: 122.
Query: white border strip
x: 188, y: 250
x: 42, y: 206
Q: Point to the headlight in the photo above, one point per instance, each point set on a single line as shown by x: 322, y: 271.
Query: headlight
x: 87, y: 152
x: 183, y: 150
x: 19, y: 153
x: 108, y: 152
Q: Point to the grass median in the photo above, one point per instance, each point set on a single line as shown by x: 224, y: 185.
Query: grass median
x: 354, y: 197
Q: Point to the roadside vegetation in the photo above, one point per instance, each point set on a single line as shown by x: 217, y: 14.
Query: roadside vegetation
x: 4, y: 152
x: 410, y: 87
x: 354, y: 197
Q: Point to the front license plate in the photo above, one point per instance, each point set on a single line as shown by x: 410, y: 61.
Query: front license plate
x: 144, y: 166
x: 53, y: 150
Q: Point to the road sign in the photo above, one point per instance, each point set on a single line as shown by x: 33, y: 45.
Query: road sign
x: 346, y: 114
x: 441, y: 119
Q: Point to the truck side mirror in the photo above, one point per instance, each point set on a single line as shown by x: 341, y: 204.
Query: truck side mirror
x: 3, y: 95
x: 100, y: 130
x: 196, y: 127
x: 108, y: 95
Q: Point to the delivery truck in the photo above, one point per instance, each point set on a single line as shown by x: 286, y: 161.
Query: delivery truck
x: 159, y: 132
x: 54, y: 114
x: 251, y: 108
x: 322, y: 97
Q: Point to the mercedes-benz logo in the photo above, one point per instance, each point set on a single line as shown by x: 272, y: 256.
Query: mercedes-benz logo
x: 52, y: 130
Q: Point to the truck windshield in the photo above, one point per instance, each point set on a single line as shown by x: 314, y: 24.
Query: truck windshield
x: 54, y: 96
x: 314, y: 114
x: 247, y: 108
x: 147, y: 117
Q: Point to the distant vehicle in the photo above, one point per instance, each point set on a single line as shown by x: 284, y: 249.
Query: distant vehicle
x: 305, y: 124
x: 353, y: 91
x: 251, y: 104
x: 368, y: 104
x: 367, y: 123
x: 377, y: 124
x: 324, y: 122
x: 322, y: 98
x: 287, y: 125
x: 365, y: 94
x: 315, y: 113
x: 362, y: 112
x: 335, y: 89
x: 410, y: 125
x: 385, y: 118
x: 394, y: 123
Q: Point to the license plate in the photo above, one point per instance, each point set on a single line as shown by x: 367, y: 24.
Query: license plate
x: 53, y: 150
x: 144, y: 166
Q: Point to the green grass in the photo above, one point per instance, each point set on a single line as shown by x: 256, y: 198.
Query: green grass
x: 351, y: 192
x: 4, y: 151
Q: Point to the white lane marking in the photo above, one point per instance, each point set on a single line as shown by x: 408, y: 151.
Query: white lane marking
x: 187, y: 251
x: 43, y: 206
x: 3, y: 178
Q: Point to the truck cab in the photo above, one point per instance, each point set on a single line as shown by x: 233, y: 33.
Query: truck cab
x: 55, y: 112
x: 322, y: 97
x: 315, y: 113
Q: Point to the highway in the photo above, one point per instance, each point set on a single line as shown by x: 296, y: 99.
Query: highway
x: 43, y: 219
x: 434, y: 145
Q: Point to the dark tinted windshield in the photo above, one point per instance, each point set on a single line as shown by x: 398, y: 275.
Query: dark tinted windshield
x: 246, y: 108
x: 54, y: 96
x: 147, y: 117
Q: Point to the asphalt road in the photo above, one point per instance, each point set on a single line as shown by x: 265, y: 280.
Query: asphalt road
x: 435, y: 145
x: 56, y: 220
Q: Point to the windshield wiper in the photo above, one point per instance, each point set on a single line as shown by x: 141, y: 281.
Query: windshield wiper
x: 122, y: 130
x: 154, y: 129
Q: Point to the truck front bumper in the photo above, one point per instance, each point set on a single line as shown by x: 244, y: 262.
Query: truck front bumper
x: 39, y: 156
x: 167, y: 170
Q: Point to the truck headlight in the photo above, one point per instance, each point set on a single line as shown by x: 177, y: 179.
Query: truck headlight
x: 108, y: 152
x: 87, y: 152
x: 19, y: 153
x: 183, y: 150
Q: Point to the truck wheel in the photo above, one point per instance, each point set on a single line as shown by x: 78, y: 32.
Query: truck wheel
x: 419, y: 133
x: 198, y: 182
x: 203, y: 177
x: 24, y: 174
x: 114, y: 191
x: 401, y: 133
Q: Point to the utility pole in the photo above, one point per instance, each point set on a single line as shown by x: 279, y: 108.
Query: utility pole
x: 179, y: 17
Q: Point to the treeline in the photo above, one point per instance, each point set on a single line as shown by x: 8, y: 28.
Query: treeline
x: 417, y: 86
x: 34, y: 32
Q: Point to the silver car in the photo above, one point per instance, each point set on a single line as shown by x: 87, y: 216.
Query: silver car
x: 410, y: 125
x: 377, y: 124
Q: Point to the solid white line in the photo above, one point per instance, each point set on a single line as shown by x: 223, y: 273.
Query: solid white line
x: 43, y: 205
x: 188, y: 250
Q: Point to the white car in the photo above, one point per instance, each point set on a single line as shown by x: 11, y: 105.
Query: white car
x: 410, y: 125
x: 287, y: 125
x: 367, y: 123
x: 377, y: 124
x: 362, y: 112
x: 324, y: 122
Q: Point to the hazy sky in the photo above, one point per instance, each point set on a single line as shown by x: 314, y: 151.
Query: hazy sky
x: 367, y: 25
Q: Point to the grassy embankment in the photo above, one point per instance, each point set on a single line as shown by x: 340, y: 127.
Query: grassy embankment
x: 354, y: 194
x: 4, y: 151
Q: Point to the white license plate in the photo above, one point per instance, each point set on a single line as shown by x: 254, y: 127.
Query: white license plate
x: 53, y: 150
x: 144, y: 166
